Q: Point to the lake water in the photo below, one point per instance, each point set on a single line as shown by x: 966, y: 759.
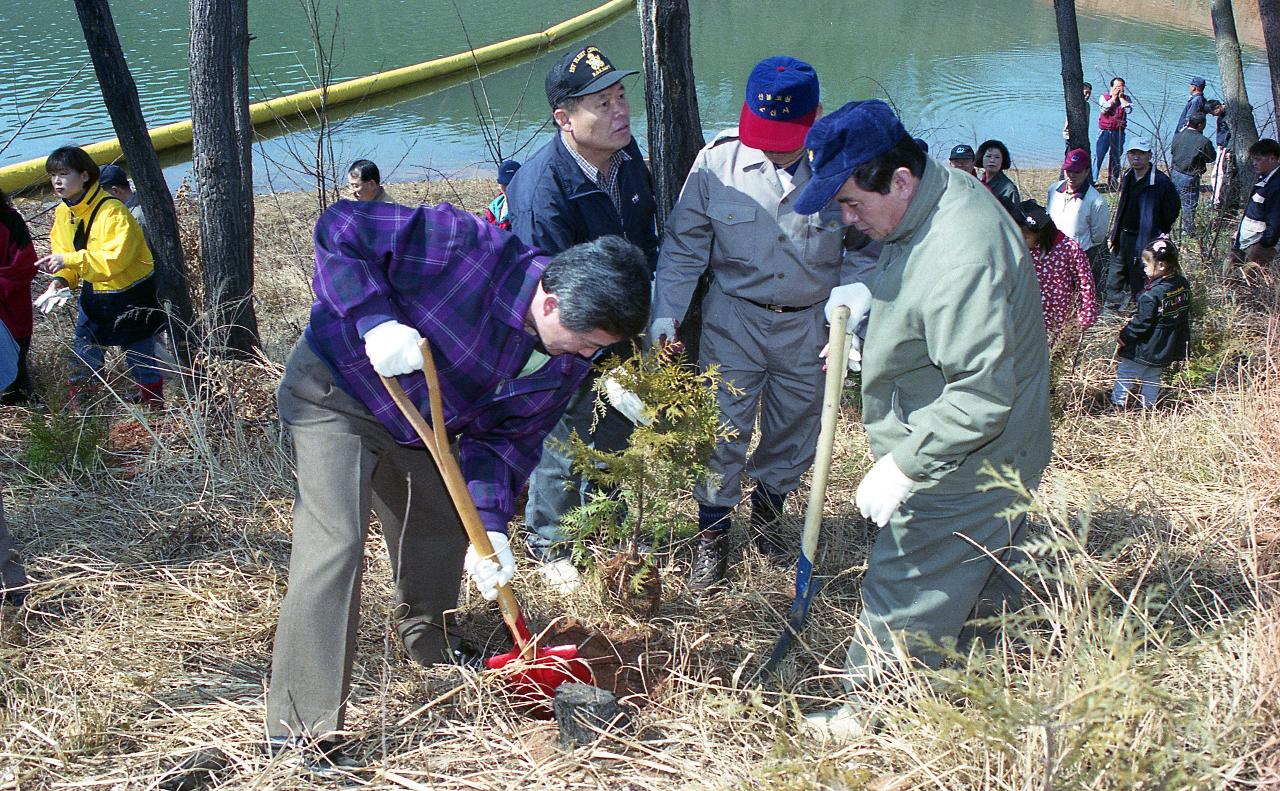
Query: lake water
x: 958, y: 72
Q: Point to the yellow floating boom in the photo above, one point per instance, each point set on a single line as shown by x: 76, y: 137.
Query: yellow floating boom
x: 24, y: 174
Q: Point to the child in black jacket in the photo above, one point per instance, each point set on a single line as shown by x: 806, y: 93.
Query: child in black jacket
x: 1159, y: 333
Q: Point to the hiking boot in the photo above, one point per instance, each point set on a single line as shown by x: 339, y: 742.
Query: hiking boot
x: 711, y: 557
x: 766, y: 509
x: 710, y: 561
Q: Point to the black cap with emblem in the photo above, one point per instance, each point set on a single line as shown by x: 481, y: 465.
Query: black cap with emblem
x: 581, y: 72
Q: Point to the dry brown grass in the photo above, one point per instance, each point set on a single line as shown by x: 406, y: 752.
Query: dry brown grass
x: 158, y: 580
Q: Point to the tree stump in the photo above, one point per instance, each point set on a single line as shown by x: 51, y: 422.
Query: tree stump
x: 583, y: 712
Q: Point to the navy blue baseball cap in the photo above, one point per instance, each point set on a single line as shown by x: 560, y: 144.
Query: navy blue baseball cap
x: 838, y: 143
x: 580, y: 73
x: 507, y: 171
x: 780, y: 106
x: 113, y: 176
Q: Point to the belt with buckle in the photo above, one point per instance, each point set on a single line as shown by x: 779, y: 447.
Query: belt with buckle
x: 778, y: 308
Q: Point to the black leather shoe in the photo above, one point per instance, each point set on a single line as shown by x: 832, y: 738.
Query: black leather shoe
x: 326, y: 756
x: 463, y: 654
x: 710, y: 560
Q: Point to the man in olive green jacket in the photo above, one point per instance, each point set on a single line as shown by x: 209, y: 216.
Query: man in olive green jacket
x: 955, y: 377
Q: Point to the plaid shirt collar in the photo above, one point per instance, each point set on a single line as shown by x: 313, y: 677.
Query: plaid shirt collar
x: 606, y: 181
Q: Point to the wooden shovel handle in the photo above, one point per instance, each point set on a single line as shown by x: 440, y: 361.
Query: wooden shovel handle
x: 837, y: 353
x: 437, y: 443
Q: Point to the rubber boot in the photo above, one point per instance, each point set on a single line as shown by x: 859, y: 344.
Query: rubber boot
x: 711, y: 558
x: 766, y: 508
x: 151, y: 395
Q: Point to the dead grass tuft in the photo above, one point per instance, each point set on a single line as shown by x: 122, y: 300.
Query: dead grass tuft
x: 1150, y: 659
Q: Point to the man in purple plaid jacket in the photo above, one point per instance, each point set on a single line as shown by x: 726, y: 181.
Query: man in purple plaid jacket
x: 512, y: 332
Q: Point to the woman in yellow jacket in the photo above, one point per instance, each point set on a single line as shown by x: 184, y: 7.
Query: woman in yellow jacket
x: 97, y: 244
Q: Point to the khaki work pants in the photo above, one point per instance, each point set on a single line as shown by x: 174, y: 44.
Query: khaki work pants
x: 347, y: 463
x: 928, y: 575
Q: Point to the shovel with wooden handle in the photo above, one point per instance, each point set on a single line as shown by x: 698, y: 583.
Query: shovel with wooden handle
x: 535, y: 671
x: 806, y: 588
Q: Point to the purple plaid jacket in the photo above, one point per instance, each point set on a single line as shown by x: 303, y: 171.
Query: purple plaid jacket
x: 466, y: 286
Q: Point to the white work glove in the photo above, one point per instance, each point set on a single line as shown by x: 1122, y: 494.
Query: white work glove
x: 626, y: 402
x: 392, y: 347
x: 662, y: 332
x: 54, y: 297
x: 492, y: 573
x: 857, y: 297
x: 882, y: 490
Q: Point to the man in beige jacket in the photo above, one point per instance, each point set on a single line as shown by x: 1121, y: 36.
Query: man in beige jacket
x: 762, y: 317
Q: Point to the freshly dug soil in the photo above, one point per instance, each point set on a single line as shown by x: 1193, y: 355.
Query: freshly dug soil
x: 631, y: 662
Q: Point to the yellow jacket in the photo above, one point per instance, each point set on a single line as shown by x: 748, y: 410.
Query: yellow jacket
x: 115, y: 255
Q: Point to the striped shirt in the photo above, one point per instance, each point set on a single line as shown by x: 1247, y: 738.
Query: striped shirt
x: 608, y: 180
x: 467, y: 287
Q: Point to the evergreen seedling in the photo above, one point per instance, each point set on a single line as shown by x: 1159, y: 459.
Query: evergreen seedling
x: 665, y: 456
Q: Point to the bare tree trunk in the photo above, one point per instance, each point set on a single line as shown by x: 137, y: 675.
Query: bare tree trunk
x: 222, y: 136
x: 244, y: 134
x: 1269, y: 11
x: 1244, y: 131
x: 675, y: 129
x: 1072, y: 75
x: 121, y: 97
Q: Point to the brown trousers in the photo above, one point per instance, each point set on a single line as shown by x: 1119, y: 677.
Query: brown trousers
x: 347, y: 463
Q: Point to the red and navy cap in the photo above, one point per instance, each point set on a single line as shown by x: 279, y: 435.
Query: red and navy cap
x: 781, y: 104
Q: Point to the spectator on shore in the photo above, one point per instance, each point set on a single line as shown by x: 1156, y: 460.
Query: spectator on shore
x: 1111, y: 124
x: 589, y: 180
x: 1159, y: 334
x: 1080, y: 211
x: 114, y: 180
x: 962, y: 158
x: 1148, y: 207
x: 1088, y: 113
x: 364, y: 182
x: 1195, y: 104
x: 1062, y: 268
x: 13, y: 577
x: 994, y: 156
x: 1191, y: 154
x: 96, y: 243
x: 17, y: 271
x: 1223, y: 166
x: 1259, y: 230
x: 496, y: 213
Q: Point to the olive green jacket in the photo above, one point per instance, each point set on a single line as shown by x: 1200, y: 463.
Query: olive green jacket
x: 955, y: 362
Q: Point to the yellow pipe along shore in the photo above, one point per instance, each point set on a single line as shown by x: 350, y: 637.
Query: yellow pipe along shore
x: 24, y: 174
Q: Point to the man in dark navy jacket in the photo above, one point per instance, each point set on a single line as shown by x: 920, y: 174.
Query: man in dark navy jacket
x: 1149, y: 206
x: 588, y: 181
